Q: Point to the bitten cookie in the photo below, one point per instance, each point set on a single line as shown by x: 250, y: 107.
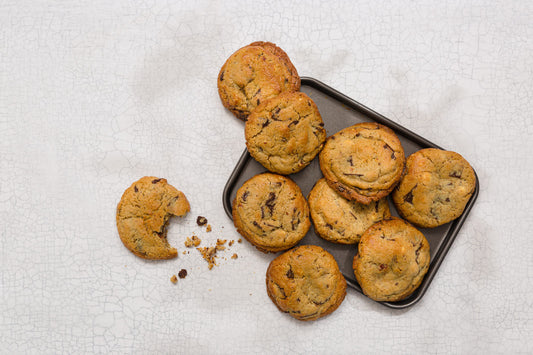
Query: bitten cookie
x: 435, y: 189
x: 392, y: 260
x: 363, y: 162
x: 306, y: 283
x: 254, y: 74
x: 143, y: 213
x: 285, y: 133
x: 339, y: 220
x: 270, y: 212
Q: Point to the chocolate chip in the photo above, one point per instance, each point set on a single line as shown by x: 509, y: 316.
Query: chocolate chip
x: 382, y: 267
x: 275, y: 113
x: 201, y: 221
x: 308, y: 103
x: 155, y: 181
x: 258, y: 101
x: 221, y: 76
x: 447, y: 199
x: 267, y: 122
x: 329, y: 226
x: 245, y: 195
x: 455, y: 174
x: 290, y: 274
x: 135, y: 188
x: 321, y: 124
x: 341, y: 189
x: 270, y: 202
x: 182, y: 274
x: 350, y: 160
x: 293, y: 123
x: 409, y: 196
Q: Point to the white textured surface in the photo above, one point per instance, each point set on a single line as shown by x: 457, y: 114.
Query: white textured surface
x: 96, y: 94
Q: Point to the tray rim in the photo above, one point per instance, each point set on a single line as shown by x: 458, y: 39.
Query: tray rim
x: 351, y: 103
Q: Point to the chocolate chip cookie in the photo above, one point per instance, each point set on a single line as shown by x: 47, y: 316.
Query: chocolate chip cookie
x: 254, y: 74
x: 392, y: 259
x: 270, y: 211
x: 363, y: 162
x: 306, y: 283
x: 339, y: 220
x: 143, y: 213
x: 435, y: 189
x: 285, y: 133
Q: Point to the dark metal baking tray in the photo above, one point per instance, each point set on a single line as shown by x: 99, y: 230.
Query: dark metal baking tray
x: 339, y: 111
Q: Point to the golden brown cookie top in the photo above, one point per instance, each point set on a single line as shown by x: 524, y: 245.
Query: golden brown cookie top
x: 143, y: 213
x: 436, y: 187
x: 270, y: 211
x: 363, y: 162
x: 339, y: 220
x: 285, y: 133
x: 305, y: 282
x: 254, y: 74
x: 392, y: 259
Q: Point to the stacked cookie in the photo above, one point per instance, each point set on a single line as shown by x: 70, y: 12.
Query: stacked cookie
x: 361, y: 165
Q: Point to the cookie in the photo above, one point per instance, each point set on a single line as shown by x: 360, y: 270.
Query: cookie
x: 339, y: 220
x: 305, y: 282
x: 392, y: 259
x: 143, y: 213
x: 270, y: 212
x: 285, y: 133
x: 363, y: 162
x: 253, y: 74
x: 435, y: 189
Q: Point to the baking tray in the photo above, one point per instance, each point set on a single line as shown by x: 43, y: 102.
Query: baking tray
x: 339, y: 111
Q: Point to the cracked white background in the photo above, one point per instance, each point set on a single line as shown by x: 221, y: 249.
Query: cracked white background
x: 96, y: 94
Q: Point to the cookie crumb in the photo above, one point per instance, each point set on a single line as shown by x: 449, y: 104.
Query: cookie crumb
x: 192, y: 241
x: 174, y: 279
x: 231, y: 242
x: 239, y: 241
x: 220, y: 243
x: 201, y: 221
x: 208, y: 228
x: 209, y: 254
x: 182, y: 274
x: 234, y: 256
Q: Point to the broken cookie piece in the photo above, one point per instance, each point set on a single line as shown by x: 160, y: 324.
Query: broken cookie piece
x: 174, y: 279
x: 142, y: 217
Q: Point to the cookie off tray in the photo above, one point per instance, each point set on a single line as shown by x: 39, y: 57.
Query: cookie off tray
x: 339, y: 111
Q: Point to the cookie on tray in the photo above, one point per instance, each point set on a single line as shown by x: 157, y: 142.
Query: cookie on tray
x: 363, y: 162
x: 270, y: 212
x: 285, y: 133
x: 435, y: 189
x: 143, y: 213
x: 339, y: 220
x: 392, y: 259
x: 253, y: 74
x: 306, y: 283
